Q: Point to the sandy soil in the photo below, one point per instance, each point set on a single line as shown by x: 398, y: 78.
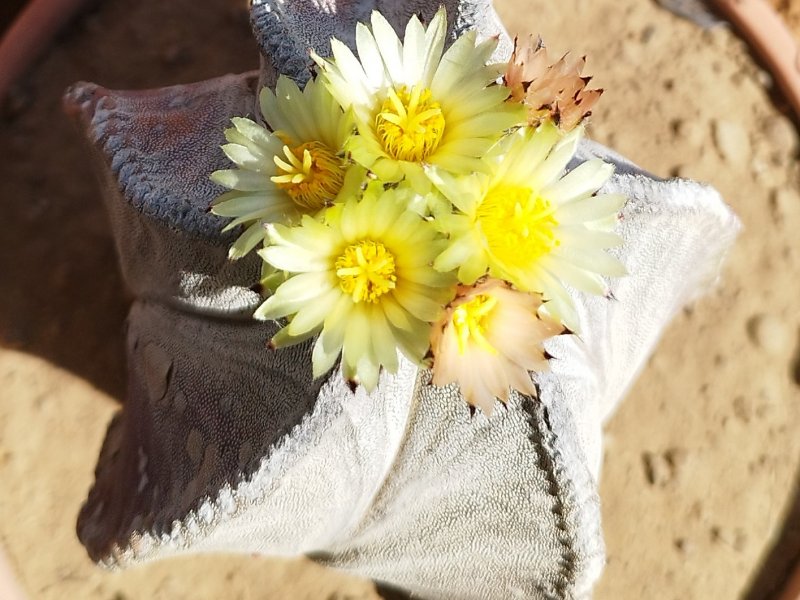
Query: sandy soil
x: 702, y: 459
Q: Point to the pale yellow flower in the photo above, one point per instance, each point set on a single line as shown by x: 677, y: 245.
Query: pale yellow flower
x: 362, y: 279
x: 530, y: 224
x: 488, y: 340
x: 414, y: 105
x: 295, y: 169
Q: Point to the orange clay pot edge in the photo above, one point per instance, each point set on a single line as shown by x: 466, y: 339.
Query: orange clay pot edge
x: 30, y: 35
x: 772, y: 41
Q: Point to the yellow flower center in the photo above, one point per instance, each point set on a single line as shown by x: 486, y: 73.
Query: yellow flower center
x: 470, y: 322
x: 366, y: 271
x: 311, y: 174
x: 518, y: 225
x: 410, y: 125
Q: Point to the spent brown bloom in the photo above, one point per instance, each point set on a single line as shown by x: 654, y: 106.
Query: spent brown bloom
x: 551, y: 90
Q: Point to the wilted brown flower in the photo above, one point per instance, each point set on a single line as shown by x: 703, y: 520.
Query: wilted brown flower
x: 550, y: 90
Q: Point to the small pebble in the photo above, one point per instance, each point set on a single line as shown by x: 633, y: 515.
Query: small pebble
x: 697, y: 512
x: 736, y: 538
x: 769, y: 333
x: 765, y: 174
x: 721, y: 535
x: 676, y: 459
x: 763, y: 78
x: 742, y: 408
x: 683, y: 546
x: 785, y: 203
x: 781, y: 134
x: 647, y: 33
x: 732, y: 141
x: 693, y: 131
x: 657, y: 470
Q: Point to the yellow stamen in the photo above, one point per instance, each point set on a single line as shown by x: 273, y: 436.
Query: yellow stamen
x: 311, y: 174
x: 410, y: 125
x: 470, y: 323
x: 518, y: 225
x: 366, y: 271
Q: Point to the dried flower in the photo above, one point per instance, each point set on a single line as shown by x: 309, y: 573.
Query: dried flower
x: 550, y: 90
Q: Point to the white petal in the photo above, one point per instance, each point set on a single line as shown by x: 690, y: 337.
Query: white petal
x: 276, y: 307
x: 311, y: 236
x: 263, y: 151
x: 365, y: 150
x: 434, y: 44
x: 350, y: 68
x: 593, y: 260
x: 416, y: 177
x: 575, y: 276
x: 312, y: 315
x: 556, y: 162
x: 413, y: 342
x: 520, y: 380
x: 370, y: 57
x: 383, y: 345
x: 589, y: 209
x: 283, y: 109
x: 321, y: 359
x: 455, y: 62
x: 368, y: 371
x: 580, y: 237
x: 282, y: 339
x: 245, y: 154
x: 306, y: 287
x: 484, y: 124
x: 249, y: 239
x: 464, y: 192
x: 413, y: 49
x: 396, y: 314
x: 522, y: 153
x: 241, y: 204
x: 356, y: 338
x: 336, y: 323
x: 413, y: 299
x: 293, y: 259
x: 583, y: 181
x: 472, y: 269
x: 254, y: 131
x: 457, y: 253
x: 456, y: 163
x: 246, y: 181
x: 559, y: 305
x: 256, y: 215
x: 472, y: 103
x: 477, y: 146
x: 390, y: 47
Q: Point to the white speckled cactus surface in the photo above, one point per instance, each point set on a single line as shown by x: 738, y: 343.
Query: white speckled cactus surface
x: 223, y: 446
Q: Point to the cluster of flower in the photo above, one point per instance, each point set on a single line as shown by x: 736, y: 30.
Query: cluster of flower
x: 414, y: 199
